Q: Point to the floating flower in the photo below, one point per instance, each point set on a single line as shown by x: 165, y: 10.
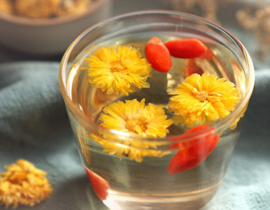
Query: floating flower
x: 23, y: 184
x: 118, y: 70
x: 134, y: 117
x: 203, y: 100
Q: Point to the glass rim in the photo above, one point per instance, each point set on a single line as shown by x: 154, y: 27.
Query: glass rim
x: 220, y: 125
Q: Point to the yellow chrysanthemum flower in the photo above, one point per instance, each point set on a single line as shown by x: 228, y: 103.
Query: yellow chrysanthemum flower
x: 203, y: 100
x: 23, y: 184
x: 134, y: 117
x: 118, y: 70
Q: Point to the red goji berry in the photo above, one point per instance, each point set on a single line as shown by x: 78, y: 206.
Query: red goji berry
x: 208, y: 55
x: 186, y: 48
x: 158, y: 55
x: 100, y: 185
x: 193, y: 68
x: 192, y: 153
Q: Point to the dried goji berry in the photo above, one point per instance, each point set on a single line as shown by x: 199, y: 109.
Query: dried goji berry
x: 185, y: 48
x: 158, y: 55
x: 193, y: 152
x: 208, y: 55
x: 100, y: 185
x: 193, y: 68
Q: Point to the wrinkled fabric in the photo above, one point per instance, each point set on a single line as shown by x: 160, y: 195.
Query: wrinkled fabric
x: 34, y: 126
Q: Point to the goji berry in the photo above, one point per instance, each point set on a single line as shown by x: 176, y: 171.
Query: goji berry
x: 100, y: 185
x: 158, y: 55
x: 208, y: 55
x: 193, y: 68
x: 185, y: 48
x: 192, y: 153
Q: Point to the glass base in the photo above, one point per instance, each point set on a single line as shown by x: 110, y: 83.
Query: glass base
x: 188, y: 201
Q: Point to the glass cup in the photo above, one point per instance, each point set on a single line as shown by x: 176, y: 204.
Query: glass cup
x: 184, y: 168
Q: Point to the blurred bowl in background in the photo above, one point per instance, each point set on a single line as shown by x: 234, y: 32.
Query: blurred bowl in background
x: 49, y: 36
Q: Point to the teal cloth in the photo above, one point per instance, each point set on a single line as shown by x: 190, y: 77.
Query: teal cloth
x: 34, y: 126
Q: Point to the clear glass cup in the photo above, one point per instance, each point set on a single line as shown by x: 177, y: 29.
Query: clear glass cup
x: 124, y: 183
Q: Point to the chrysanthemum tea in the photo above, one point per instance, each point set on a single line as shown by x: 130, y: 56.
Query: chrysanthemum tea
x: 153, y: 133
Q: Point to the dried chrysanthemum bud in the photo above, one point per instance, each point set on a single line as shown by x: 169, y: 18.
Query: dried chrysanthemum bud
x: 23, y: 184
x: 6, y: 6
x: 67, y: 7
x: 43, y: 8
x: 36, y: 8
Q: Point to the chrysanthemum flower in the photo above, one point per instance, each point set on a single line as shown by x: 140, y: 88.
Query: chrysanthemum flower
x: 118, y: 70
x: 134, y: 117
x: 203, y: 100
x: 23, y: 184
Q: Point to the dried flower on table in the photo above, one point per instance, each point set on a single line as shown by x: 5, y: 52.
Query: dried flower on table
x: 23, y: 184
x: 6, y: 6
x: 67, y: 7
x: 36, y: 8
x: 203, y: 100
x: 134, y: 117
x: 43, y: 8
x: 118, y: 70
